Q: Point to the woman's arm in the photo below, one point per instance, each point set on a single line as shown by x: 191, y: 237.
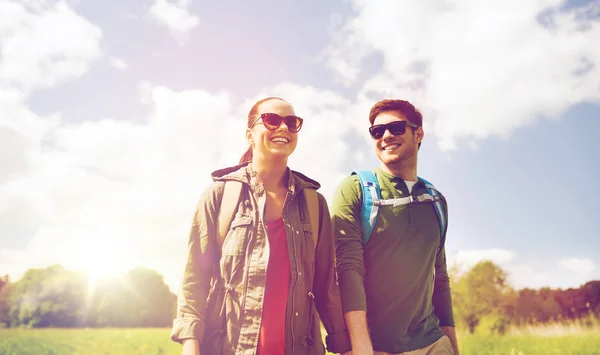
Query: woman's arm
x: 189, y: 325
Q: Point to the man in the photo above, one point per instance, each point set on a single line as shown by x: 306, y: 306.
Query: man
x: 395, y: 287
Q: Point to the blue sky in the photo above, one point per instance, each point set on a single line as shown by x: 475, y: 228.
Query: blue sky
x: 112, y: 117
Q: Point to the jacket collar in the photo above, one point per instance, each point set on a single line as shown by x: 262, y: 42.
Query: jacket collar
x: 244, y: 173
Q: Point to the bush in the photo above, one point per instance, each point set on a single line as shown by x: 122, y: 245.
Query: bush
x: 493, y: 324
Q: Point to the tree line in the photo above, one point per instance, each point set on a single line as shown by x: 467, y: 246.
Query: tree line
x: 482, y: 298
x: 56, y: 297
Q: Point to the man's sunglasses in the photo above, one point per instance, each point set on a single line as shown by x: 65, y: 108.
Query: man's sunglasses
x: 272, y: 121
x: 396, y: 128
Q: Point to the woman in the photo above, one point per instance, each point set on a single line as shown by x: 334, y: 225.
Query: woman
x: 257, y: 291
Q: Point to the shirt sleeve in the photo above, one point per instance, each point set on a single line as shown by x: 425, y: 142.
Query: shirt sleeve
x: 327, y: 293
x: 442, y: 296
x: 347, y: 231
x: 190, y: 321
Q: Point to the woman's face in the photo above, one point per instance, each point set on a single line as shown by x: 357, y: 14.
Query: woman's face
x: 272, y: 144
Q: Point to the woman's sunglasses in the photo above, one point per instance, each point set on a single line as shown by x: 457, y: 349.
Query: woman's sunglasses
x: 396, y: 128
x: 272, y: 121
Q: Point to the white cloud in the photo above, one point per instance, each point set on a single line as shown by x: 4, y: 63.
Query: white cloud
x: 175, y: 15
x: 118, y: 63
x: 118, y: 188
x: 44, y: 43
x: 572, y: 272
x: 527, y: 276
x: 463, y: 260
x: 475, y: 68
x: 536, y: 274
x: 577, y: 265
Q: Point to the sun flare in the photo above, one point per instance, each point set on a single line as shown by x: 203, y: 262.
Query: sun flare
x: 98, y: 261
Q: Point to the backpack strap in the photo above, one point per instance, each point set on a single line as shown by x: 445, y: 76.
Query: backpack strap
x: 406, y: 200
x: 371, y: 202
x: 439, y: 209
x: 371, y: 196
x: 312, y: 205
x: 229, y: 204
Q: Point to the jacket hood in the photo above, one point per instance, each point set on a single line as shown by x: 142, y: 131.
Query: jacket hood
x: 245, y: 174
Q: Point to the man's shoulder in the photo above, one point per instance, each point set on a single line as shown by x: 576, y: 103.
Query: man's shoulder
x: 348, y: 190
x: 349, y: 182
x: 429, y: 184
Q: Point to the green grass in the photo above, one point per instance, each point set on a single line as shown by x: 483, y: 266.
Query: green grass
x: 587, y: 344
x: 156, y: 341
x: 149, y: 341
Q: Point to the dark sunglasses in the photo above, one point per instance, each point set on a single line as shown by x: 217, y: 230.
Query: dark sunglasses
x: 396, y: 128
x: 272, y: 121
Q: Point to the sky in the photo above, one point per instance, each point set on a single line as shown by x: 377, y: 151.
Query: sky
x: 113, y: 114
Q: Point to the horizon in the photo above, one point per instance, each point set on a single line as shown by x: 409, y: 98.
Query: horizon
x: 96, y: 280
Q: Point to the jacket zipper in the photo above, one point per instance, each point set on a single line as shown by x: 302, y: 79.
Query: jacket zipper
x: 295, y: 284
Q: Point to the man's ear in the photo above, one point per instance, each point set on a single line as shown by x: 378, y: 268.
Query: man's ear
x: 419, y: 134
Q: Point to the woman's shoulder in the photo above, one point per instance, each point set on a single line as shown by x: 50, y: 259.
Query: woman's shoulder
x: 303, y: 181
x: 211, y: 194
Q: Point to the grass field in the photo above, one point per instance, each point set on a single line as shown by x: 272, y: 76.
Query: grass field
x: 156, y: 341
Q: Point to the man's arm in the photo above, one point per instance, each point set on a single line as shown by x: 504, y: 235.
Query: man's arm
x: 356, y: 321
x: 347, y: 232
x: 326, y: 291
x: 442, y: 299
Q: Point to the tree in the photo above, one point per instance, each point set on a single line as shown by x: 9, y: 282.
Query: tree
x: 48, y: 297
x: 535, y: 306
x: 591, y: 291
x: 138, y: 298
x: 5, y: 292
x: 482, y: 292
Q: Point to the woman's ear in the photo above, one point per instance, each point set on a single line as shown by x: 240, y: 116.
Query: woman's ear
x: 249, y: 137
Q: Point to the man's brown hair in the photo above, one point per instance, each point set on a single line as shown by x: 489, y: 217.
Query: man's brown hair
x: 404, y: 107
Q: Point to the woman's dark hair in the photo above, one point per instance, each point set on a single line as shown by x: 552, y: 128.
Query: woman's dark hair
x: 247, y: 157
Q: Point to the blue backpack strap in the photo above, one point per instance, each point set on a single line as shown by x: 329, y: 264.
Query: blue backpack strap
x: 439, y: 209
x: 370, y: 193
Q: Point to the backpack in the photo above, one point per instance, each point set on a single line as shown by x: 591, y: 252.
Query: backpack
x: 231, y: 197
x: 371, y: 202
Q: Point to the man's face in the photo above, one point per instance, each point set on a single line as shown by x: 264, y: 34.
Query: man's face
x: 393, y: 149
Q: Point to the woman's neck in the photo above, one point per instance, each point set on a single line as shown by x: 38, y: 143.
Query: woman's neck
x: 271, y: 173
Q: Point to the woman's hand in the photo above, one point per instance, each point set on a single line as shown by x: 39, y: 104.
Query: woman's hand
x: 191, y: 347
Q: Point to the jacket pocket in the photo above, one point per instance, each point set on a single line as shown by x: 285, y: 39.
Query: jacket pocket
x: 235, y: 241
x: 215, y: 330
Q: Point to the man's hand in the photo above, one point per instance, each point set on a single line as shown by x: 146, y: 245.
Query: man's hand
x: 451, y: 333
x: 356, y: 322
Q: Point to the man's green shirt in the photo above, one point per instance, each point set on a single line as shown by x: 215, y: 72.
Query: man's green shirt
x: 399, y: 277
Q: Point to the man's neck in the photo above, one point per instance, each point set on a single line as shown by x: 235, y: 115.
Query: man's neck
x: 270, y: 173
x: 406, y: 169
